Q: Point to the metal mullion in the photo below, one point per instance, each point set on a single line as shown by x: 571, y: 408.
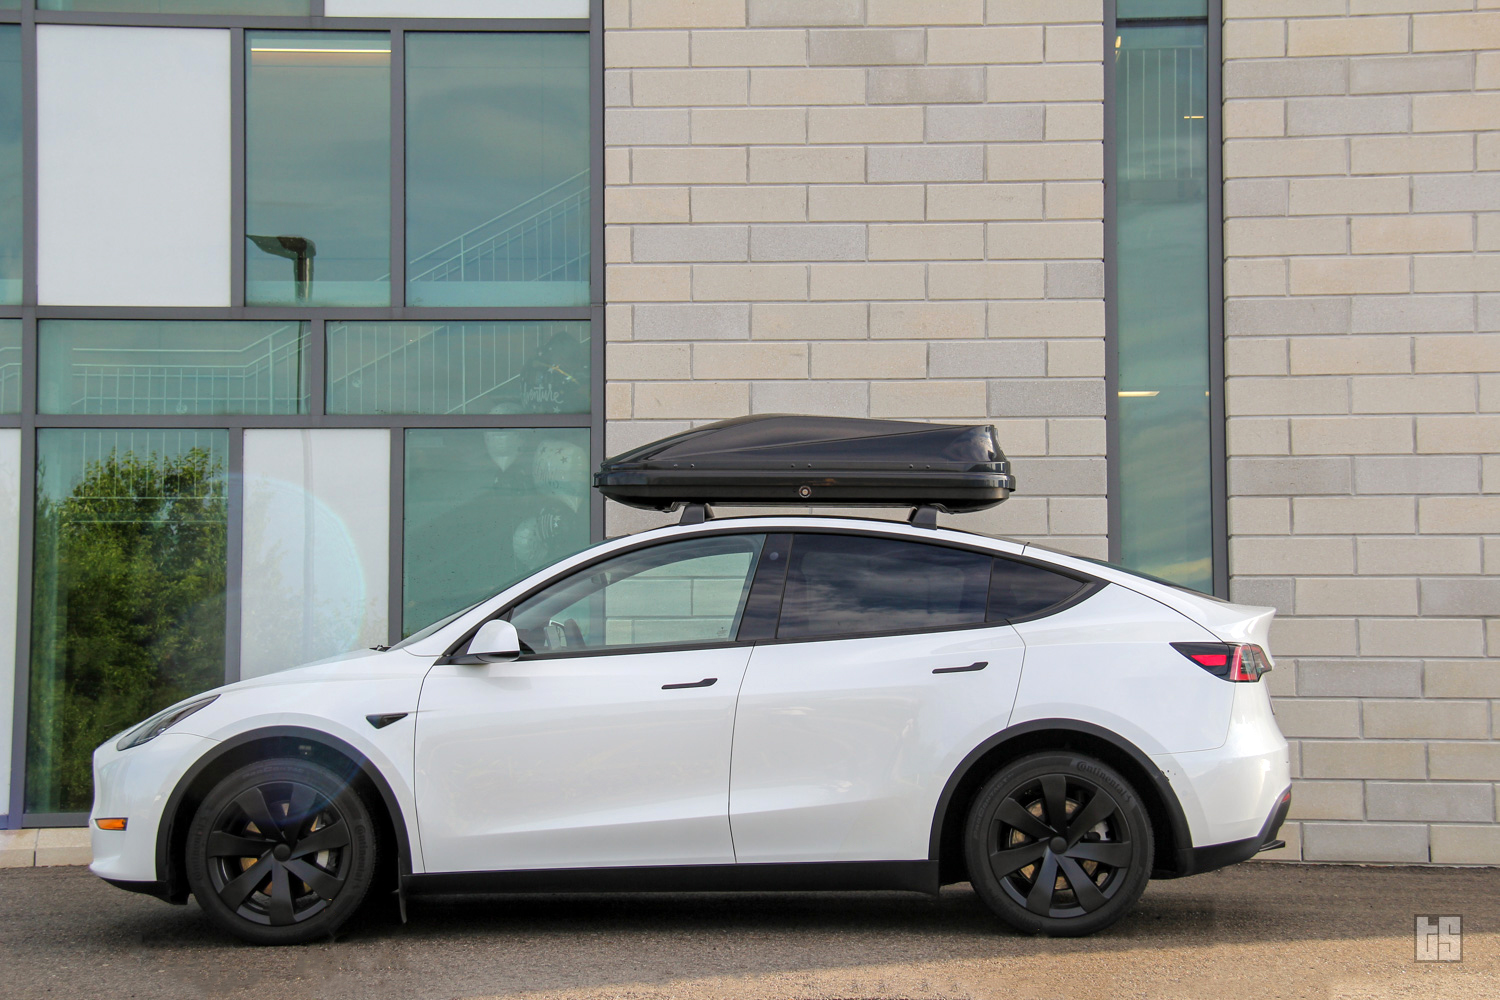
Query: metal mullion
x: 238, y: 85
x: 28, y: 157
x: 597, y: 332
x: 395, y: 578
x: 1114, y: 512
x: 25, y: 558
x: 576, y: 25
x: 234, y: 554
x: 314, y: 422
x: 398, y: 170
x: 287, y: 314
x: 316, y: 354
x: 1218, y: 442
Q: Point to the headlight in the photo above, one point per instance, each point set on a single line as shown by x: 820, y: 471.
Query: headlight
x: 162, y: 721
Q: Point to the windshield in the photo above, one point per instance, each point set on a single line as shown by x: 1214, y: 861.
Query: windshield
x: 436, y: 626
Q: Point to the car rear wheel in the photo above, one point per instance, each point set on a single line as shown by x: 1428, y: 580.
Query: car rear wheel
x: 1059, y: 844
x: 281, y: 852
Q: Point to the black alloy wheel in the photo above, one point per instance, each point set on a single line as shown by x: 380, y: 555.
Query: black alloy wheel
x: 281, y: 852
x: 1058, y: 844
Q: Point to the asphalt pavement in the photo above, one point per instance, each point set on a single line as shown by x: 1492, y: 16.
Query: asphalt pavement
x: 1258, y: 930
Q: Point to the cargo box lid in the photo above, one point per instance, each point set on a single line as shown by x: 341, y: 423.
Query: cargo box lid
x: 846, y: 461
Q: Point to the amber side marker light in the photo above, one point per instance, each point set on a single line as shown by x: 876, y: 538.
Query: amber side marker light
x: 111, y: 824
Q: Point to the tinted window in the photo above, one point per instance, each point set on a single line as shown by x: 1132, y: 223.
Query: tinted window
x: 1018, y: 590
x: 840, y: 585
x: 682, y: 593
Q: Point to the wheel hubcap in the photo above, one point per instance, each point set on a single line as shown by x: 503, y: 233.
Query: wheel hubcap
x: 279, y: 853
x: 1059, y: 845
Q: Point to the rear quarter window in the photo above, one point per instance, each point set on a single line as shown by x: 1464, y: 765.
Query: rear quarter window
x: 1025, y: 590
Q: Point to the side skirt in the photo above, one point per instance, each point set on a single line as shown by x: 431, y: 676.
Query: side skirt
x: 841, y: 876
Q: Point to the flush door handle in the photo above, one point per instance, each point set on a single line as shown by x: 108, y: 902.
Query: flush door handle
x: 706, y: 682
x: 963, y: 670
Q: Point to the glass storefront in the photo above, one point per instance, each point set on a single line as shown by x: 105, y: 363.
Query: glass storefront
x: 331, y: 458
x: 317, y: 168
x: 128, y: 585
x: 497, y: 170
x: 486, y: 507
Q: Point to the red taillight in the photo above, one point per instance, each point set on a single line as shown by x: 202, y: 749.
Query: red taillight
x: 1243, y: 663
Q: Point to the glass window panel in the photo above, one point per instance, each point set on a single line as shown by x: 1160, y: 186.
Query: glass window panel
x: 1145, y: 9
x: 318, y: 168
x: 841, y: 585
x: 10, y: 366
x: 317, y: 535
x: 128, y: 592
x: 485, y: 507
x: 683, y: 593
x: 456, y: 8
x: 470, y: 368
x: 133, y: 166
x: 10, y: 549
x: 1166, y: 491
x: 10, y: 162
x: 1018, y: 589
x: 172, y: 367
x: 497, y: 169
x: 181, y: 6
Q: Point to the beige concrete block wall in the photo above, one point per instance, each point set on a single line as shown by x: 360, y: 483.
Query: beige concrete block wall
x: 885, y: 208
x: 1362, y: 199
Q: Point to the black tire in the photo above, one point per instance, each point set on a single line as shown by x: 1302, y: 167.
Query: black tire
x: 1058, y: 843
x: 297, y: 881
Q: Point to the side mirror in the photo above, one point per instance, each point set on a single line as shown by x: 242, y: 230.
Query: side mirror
x: 496, y: 642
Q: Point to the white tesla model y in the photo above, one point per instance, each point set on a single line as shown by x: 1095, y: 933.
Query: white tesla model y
x: 770, y: 703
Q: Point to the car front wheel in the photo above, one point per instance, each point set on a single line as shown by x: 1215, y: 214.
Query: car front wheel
x: 1059, y: 844
x: 281, y: 852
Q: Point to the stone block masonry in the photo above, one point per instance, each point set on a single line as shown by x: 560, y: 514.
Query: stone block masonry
x: 1362, y: 186
x: 886, y: 208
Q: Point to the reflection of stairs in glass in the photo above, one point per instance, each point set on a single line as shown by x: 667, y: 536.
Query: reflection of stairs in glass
x: 262, y: 377
x: 428, y: 367
x: 545, y: 238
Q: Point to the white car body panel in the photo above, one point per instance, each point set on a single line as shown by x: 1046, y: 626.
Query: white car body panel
x: 1141, y: 688
x: 332, y: 696
x: 842, y: 747
x: 578, y: 761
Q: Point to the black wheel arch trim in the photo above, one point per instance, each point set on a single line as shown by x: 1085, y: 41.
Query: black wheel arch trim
x: 1181, y: 835
x: 176, y: 890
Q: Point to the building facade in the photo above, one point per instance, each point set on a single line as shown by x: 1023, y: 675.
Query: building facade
x: 307, y: 306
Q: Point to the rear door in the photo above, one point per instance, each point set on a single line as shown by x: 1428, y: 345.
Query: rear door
x: 880, y: 674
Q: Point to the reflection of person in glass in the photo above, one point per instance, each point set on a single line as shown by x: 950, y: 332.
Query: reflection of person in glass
x: 557, y: 376
x: 557, y: 470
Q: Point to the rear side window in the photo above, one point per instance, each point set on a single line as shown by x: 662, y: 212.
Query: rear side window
x: 1022, y: 590
x: 842, y: 585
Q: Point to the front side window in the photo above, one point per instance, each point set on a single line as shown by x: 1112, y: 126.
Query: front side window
x: 683, y: 593
x: 847, y: 585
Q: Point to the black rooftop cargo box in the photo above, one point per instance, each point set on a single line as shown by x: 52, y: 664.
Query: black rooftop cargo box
x: 848, y: 461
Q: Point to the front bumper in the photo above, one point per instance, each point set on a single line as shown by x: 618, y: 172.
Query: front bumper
x: 137, y: 785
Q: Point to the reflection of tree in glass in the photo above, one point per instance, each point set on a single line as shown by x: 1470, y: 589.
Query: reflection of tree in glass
x: 135, y: 556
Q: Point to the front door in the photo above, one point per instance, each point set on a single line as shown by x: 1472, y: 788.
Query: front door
x: 608, y: 742
x: 884, y: 672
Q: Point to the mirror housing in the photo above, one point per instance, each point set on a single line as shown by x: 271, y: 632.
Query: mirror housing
x: 496, y: 642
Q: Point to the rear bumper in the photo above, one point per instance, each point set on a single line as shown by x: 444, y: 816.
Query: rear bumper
x: 1197, y: 860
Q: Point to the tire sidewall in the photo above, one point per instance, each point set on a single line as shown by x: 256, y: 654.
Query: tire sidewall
x: 363, y: 850
x: 976, y: 851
